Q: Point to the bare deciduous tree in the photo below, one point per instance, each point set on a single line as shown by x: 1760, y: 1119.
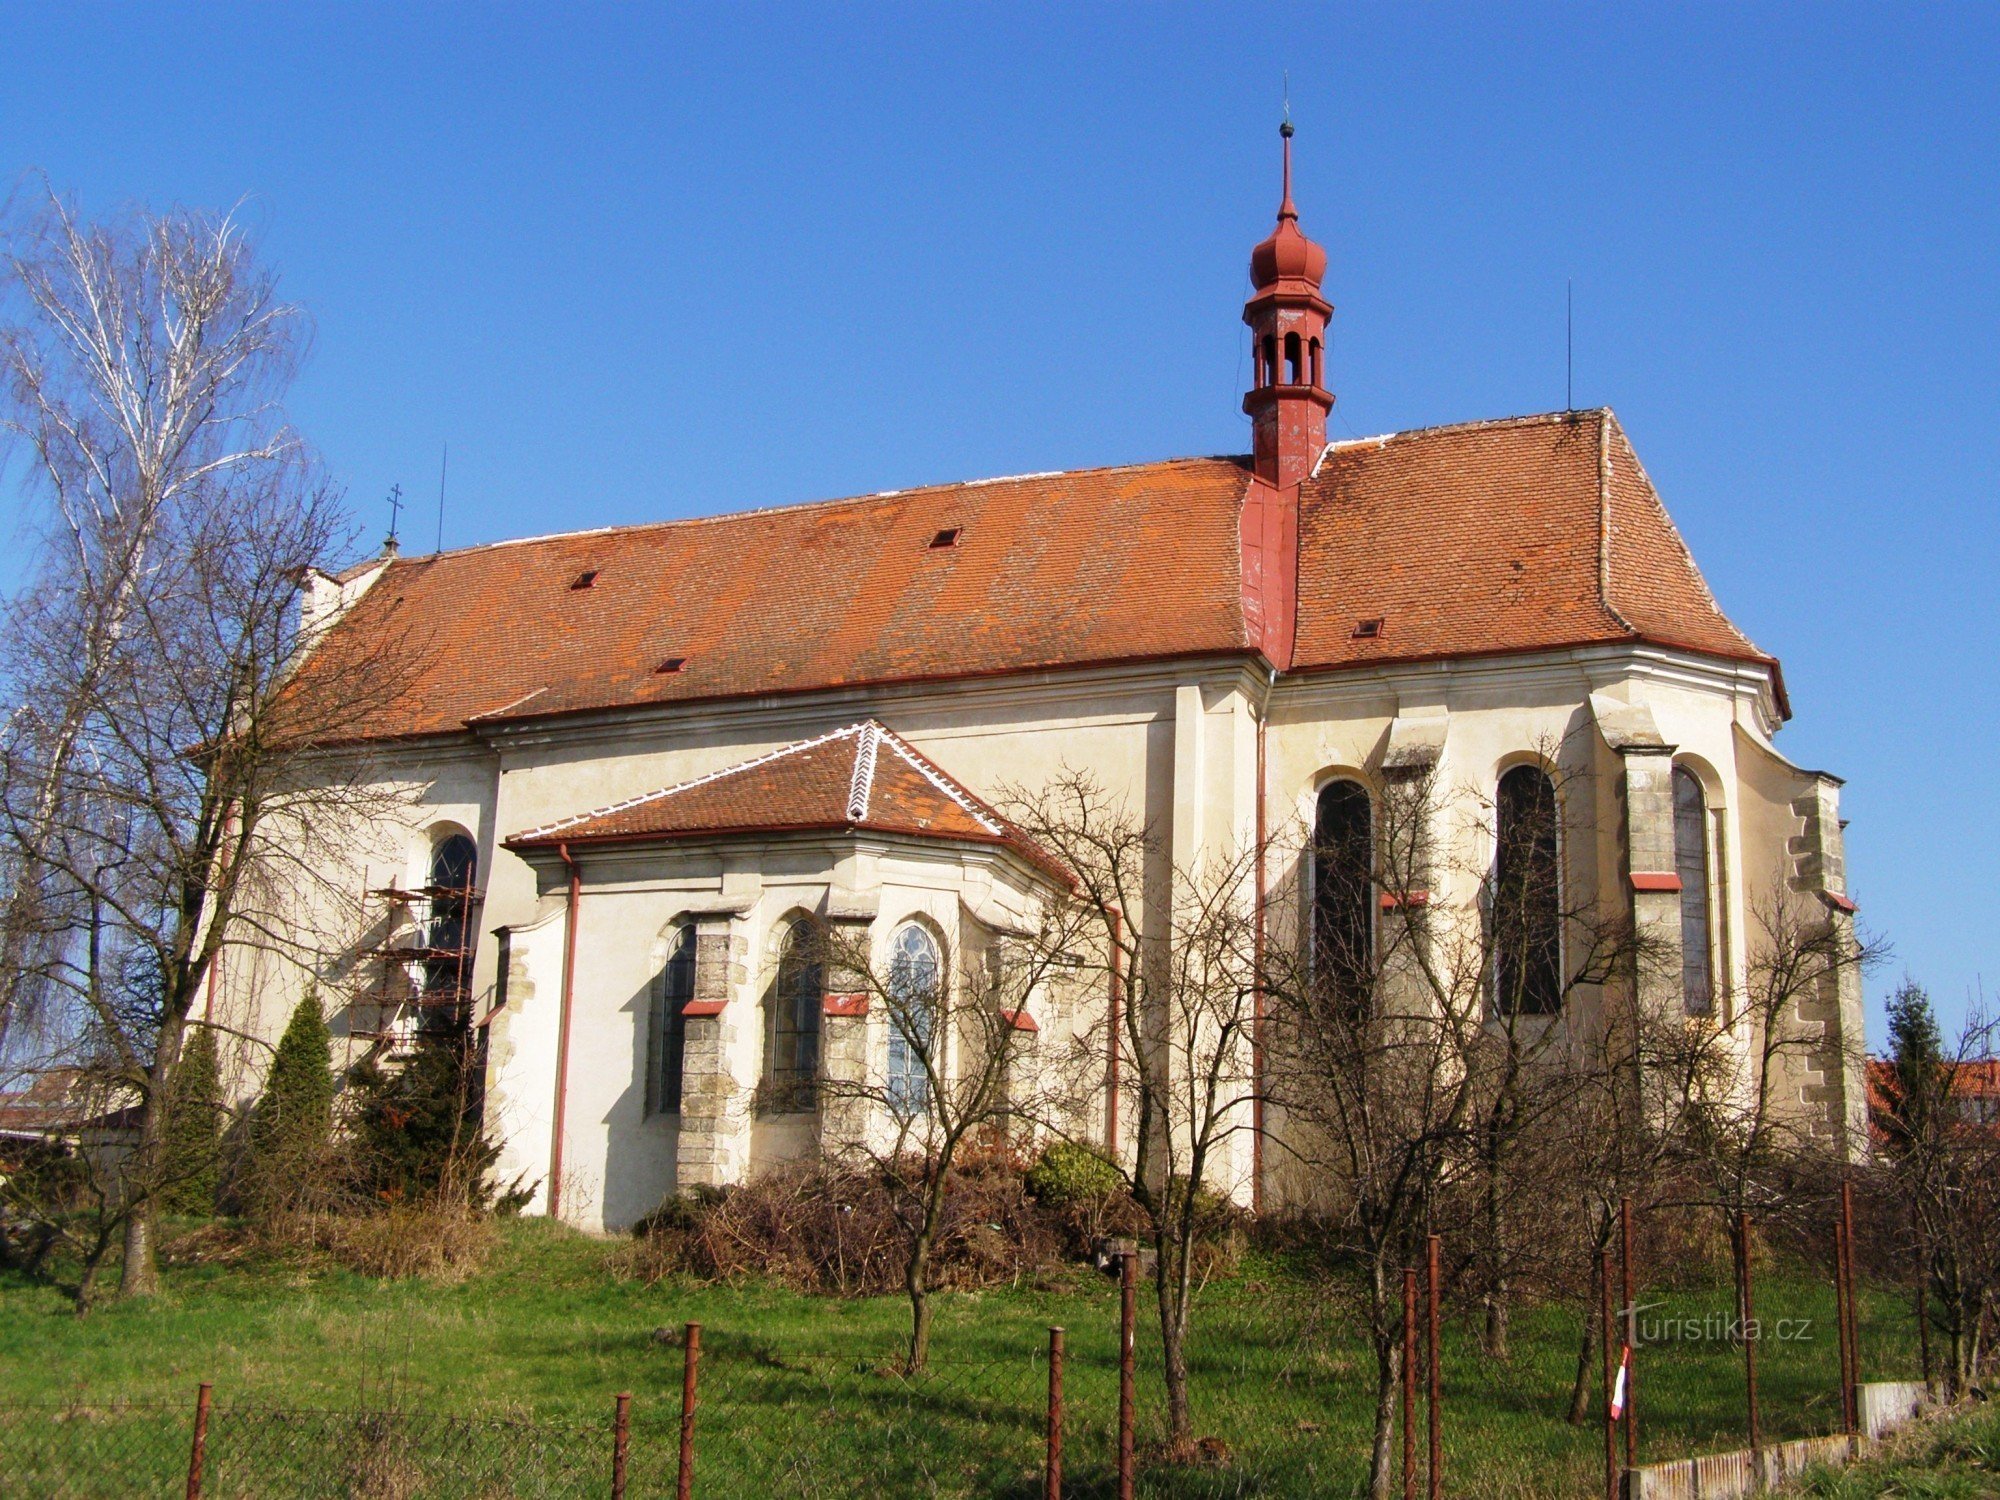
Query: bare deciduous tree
x: 959, y: 1069
x: 1940, y: 1164
x: 1175, y: 950
x: 1434, y: 1028
x: 1741, y: 1138
x: 169, y: 782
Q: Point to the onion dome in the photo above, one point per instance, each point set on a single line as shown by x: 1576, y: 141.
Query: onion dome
x: 1286, y: 253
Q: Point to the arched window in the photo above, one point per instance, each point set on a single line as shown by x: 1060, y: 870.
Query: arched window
x: 1343, y: 889
x: 1270, y: 359
x: 673, y: 987
x: 915, y: 974
x: 1691, y: 864
x: 791, y: 1062
x: 1294, y: 362
x: 450, y: 889
x: 1318, y: 376
x: 1527, y: 896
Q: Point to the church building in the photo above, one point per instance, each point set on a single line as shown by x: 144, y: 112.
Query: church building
x: 648, y: 758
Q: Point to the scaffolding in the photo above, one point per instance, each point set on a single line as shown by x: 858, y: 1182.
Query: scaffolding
x: 423, y: 982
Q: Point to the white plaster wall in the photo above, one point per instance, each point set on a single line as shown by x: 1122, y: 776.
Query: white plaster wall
x: 1180, y: 745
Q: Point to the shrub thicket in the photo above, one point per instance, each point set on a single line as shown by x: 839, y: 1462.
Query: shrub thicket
x: 415, y: 1132
x: 818, y: 1227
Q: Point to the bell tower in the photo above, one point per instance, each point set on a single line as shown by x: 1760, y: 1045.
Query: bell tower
x: 1288, y: 400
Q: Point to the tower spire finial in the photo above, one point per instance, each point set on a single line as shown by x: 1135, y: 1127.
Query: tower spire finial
x: 1285, y: 208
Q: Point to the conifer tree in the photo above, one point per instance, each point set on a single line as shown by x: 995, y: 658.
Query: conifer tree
x: 417, y: 1130
x: 192, y: 1140
x: 295, y: 1117
x: 1916, y: 1049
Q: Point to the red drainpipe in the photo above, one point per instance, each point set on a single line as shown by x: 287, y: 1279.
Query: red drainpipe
x: 562, y: 1034
x: 1116, y: 919
x: 1257, y: 1016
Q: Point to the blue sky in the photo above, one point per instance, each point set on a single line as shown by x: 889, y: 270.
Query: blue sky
x: 641, y: 261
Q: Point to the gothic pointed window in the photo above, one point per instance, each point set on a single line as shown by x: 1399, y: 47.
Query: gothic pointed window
x: 1526, y: 904
x: 1691, y: 864
x: 1343, y: 890
x: 791, y: 1060
x: 915, y: 976
x: 673, y: 987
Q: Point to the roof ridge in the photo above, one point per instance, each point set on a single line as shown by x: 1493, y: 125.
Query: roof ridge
x: 1526, y: 419
x: 1604, y: 522
x: 942, y: 780
x: 806, y: 505
x: 547, y: 830
x: 1674, y: 533
x: 861, y: 785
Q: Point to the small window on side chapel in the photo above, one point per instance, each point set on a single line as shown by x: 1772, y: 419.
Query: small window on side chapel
x: 915, y: 973
x: 791, y: 1061
x: 673, y: 987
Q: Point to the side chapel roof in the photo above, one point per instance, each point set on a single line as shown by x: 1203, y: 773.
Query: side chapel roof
x: 863, y: 778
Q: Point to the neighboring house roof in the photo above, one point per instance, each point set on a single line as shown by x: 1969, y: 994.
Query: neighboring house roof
x: 60, y: 1102
x: 860, y: 778
x: 1974, y: 1091
x: 1525, y: 534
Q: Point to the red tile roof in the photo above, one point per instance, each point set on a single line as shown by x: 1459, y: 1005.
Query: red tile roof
x: 861, y: 778
x: 1531, y: 533
x: 1525, y: 534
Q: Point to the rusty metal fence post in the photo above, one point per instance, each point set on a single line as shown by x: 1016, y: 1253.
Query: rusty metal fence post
x: 1435, y: 1356
x: 1631, y: 1359
x: 1604, y: 1342
x: 1409, y: 1383
x: 1840, y: 1319
x: 621, y: 1440
x: 1746, y: 1297
x: 1850, y: 1375
x: 1052, y: 1465
x: 1923, y: 1297
x: 690, y: 1363
x: 1128, y: 1303
x: 198, y: 1454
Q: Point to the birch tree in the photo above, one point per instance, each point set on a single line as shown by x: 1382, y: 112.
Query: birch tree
x: 169, y: 785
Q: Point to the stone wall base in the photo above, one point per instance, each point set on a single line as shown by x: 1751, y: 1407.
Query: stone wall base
x: 1885, y: 1406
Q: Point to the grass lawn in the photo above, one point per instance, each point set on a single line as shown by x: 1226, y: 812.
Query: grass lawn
x: 1957, y: 1459
x: 799, y: 1394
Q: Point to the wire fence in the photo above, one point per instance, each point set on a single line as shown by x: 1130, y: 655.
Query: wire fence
x: 118, y: 1451
x: 1280, y: 1397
